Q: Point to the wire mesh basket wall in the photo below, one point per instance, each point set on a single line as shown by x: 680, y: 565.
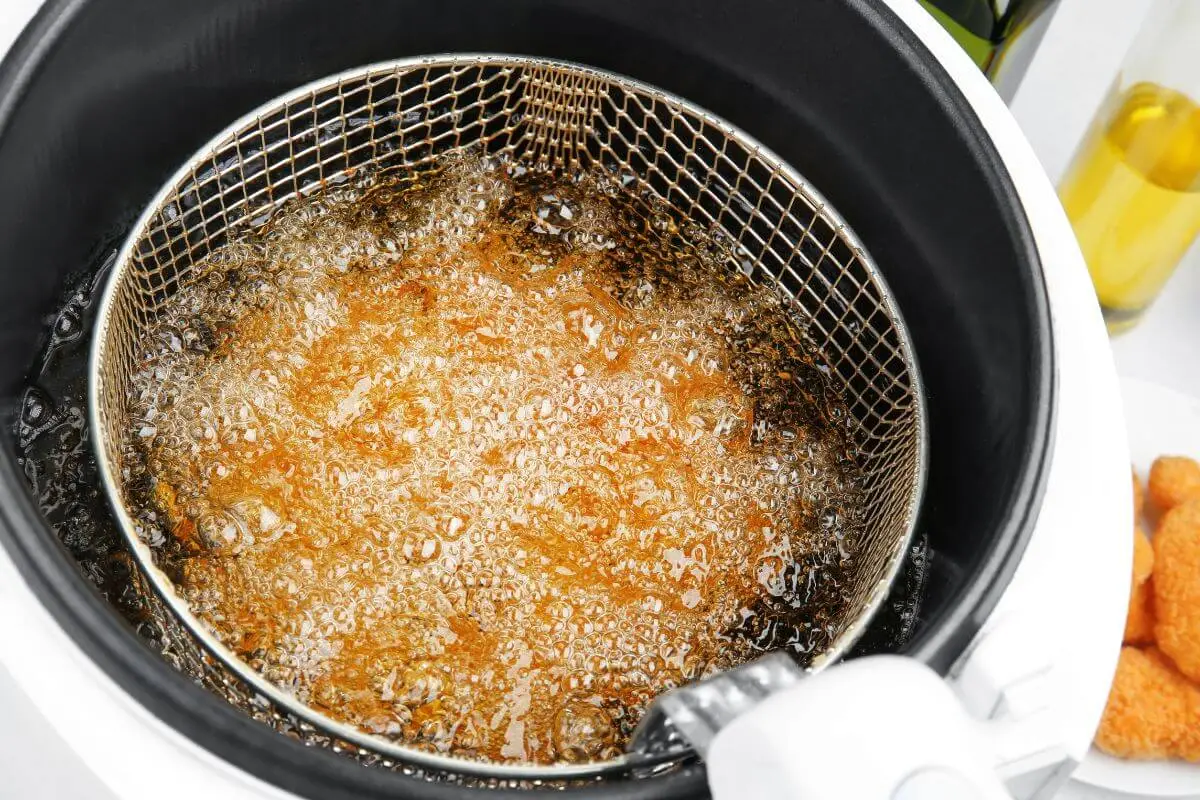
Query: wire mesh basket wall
x: 401, y: 118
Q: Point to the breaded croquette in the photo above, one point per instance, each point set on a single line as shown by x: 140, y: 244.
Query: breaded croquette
x: 1139, y: 496
x: 1177, y: 587
x: 1173, y: 480
x: 1152, y: 711
x: 1139, y: 621
x: 1143, y: 556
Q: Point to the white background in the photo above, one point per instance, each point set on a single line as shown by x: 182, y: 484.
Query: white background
x: 1072, y: 70
x: 1070, y: 74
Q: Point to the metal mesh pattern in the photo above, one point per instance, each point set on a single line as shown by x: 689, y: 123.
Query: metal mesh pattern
x: 401, y: 117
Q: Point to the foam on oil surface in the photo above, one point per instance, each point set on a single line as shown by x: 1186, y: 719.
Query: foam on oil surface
x: 484, y: 463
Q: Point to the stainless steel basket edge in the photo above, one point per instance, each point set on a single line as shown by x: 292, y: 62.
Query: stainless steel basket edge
x: 161, y: 584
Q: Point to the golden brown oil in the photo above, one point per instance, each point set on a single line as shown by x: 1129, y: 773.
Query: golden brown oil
x: 1133, y: 196
x: 485, y: 463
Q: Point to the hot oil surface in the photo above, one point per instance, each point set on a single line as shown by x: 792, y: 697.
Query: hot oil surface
x: 486, y: 462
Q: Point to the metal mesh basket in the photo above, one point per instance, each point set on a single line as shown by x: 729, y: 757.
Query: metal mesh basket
x: 400, y: 117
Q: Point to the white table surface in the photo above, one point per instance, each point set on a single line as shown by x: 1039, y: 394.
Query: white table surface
x: 1070, y: 73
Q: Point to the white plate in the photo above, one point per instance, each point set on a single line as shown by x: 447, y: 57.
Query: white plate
x: 1160, y: 421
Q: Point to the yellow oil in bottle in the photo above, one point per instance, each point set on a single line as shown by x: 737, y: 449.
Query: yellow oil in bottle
x: 1133, y: 196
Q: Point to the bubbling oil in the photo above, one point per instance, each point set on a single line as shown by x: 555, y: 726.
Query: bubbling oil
x: 482, y: 462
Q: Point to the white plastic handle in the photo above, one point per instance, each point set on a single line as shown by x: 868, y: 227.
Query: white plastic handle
x: 878, y: 728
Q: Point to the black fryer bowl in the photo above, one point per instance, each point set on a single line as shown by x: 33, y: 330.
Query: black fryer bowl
x: 101, y: 100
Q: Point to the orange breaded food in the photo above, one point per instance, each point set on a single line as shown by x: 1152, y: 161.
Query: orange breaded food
x: 1139, y: 496
x: 1152, y: 712
x: 1177, y: 587
x: 1139, y: 621
x: 1143, y: 556
x: 1173, y: 480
